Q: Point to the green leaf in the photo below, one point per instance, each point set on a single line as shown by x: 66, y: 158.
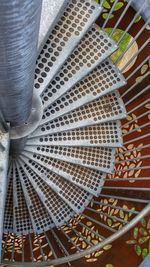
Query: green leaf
x: 143, y: 222
x: 105, y: 15
x: 142, y: 240
x: 137, y: 19
x: 121, y: 213
x: 143, y: 231
x: 118, y: 6
x: 131, y: 242
x: 109, y: 221
x: 135, y: 233
x: 107, y: 247
x: 122, y: 45
x: 144, y: 253
x: 109, y: 265
x: 97, y: 254
x: 144, y: 68
x: 88, y: 238
x: 105, y: 10
x: 106, y: 4
x: 138, y: 250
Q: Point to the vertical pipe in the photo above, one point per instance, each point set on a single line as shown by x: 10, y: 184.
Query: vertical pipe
x: 19, y: 28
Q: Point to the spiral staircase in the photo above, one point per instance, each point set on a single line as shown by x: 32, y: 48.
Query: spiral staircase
x: 71, y: 144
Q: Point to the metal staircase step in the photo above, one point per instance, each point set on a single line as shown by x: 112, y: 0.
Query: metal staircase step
x: 94, y: 48
x: 98, y: 158
x: 67, y: 33
x: 4, y: 156
x: 51, y: 12
x: 88, y: 179
x: 105, y: 109
x: 107, y: 134
x: 21, y: 219
x: 59, y: 211
x: 74, y: 196
x: 8, y: 216
x: 102, y: 80
x: 40, y: 217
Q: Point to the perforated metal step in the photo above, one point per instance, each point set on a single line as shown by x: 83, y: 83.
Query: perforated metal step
x: 4, y: 156
x: 88, y: 179
x: 69, y: 30
x: 99, y: 158
x: 106, y: 134
x: 106, y: 108
x: 94, y: 48
x: 59, y: 211
x: 51, y: 12
x: 8, y: 218
x: 41, y: 220
x: 74, y: 196
x: 21, y: 218
x: 102, y: 80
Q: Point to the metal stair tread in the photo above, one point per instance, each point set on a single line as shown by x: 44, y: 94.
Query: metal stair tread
x: 106, y: 134
x: 51, y: 11
x: 101, y: 81
x: 40, y: 217
x: 99, y: 158
x: 58, y: 210
x: 73, y: 195
x: 21, y: 218
x: 8, y: 216
x: 66, y: 34
x: 107, y: 108
x: 85, y: 178
x: 94, y: 48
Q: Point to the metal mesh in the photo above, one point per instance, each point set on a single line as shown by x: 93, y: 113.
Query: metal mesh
x: 51, y: 11
x: 92, y: 50
x: 71, y: 27
x: 40, y: 217
x: 88, y: 179
x: 99, y: 158
x: 21, y: 217
x: 107, y: 108
x: 74, y: 196
x: 57, y: 208
x: 107, y: 134
x: 8, y: 218
x: 104, y: 79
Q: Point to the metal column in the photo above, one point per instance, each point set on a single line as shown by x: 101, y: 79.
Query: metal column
x: 19, y: 28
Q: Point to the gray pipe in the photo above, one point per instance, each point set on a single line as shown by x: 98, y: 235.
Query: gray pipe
x: 19, y: 29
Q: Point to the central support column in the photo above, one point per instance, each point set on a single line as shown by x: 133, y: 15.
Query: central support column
x: 19, y: 29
